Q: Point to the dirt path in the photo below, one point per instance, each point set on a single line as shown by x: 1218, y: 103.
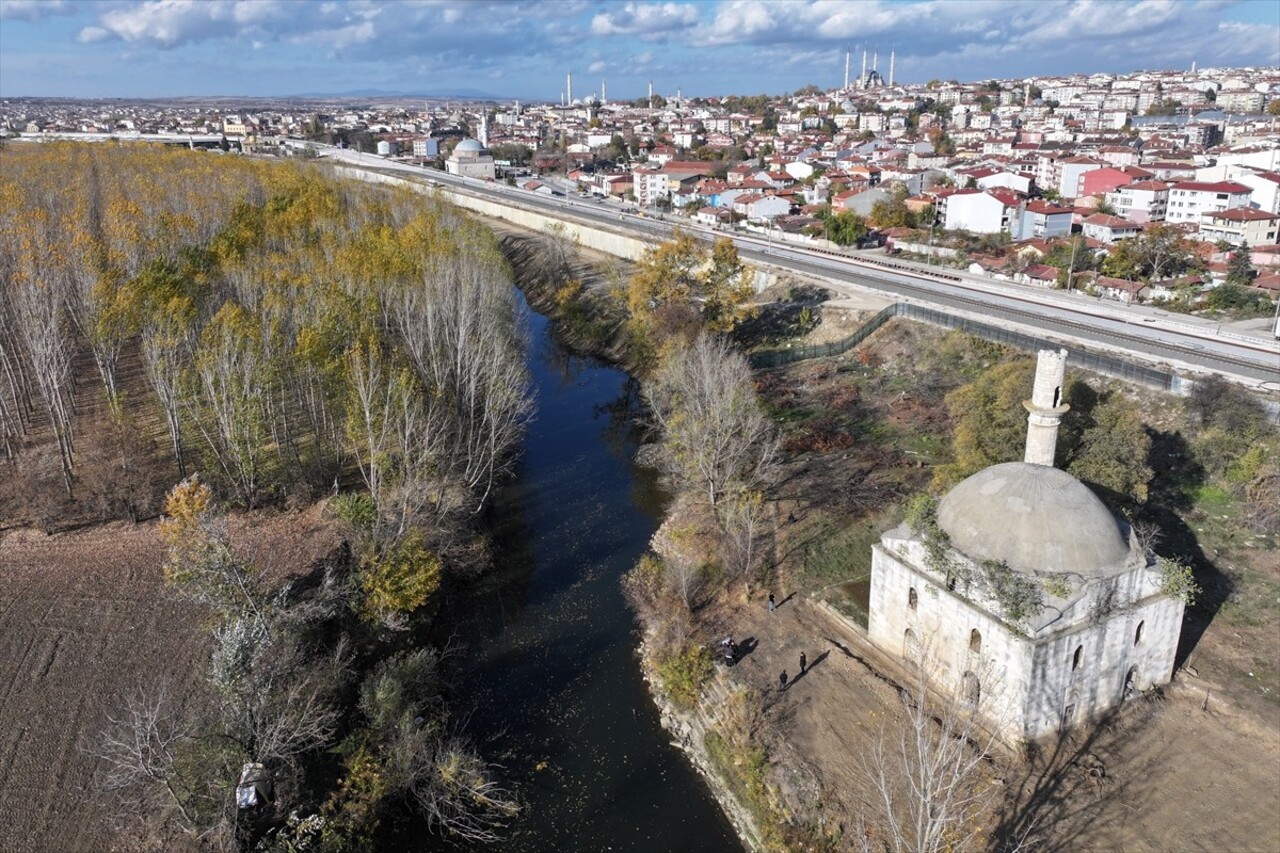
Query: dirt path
x: 1165, y: 775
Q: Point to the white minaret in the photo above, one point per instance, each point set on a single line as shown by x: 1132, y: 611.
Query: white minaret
x: 650, y: 94
x: 484, y: 129
x: 875, y: 61
x: 568, y: 87
x: 1045, y: 408
x: 604, y: 98
x: 862, y: 80
x: 846, y: 69
x: 892, y: 56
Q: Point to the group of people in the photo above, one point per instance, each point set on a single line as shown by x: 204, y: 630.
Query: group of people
x: 729, y: 650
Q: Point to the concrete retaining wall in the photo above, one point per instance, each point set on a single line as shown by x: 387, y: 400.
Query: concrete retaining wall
x: 589, y: 237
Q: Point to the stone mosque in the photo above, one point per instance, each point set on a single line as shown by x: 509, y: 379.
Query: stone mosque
x: 1027, y: 597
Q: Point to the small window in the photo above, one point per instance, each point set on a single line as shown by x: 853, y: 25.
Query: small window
x: 975, y: 641
x: 1077, y: 657
x: 1137, y: 635
x: 951, y: 582
x: 912, y: 598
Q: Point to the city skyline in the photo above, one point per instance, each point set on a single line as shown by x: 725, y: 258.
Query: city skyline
x: 274, y: 48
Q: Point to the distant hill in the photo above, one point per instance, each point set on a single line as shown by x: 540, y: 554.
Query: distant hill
x: 470, y: 94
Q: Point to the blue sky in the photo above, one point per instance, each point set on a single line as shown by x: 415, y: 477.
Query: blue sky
x: 155, y: 48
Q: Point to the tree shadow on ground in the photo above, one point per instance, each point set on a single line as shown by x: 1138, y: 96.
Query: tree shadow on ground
x: 784, y: 319
x: 1062, y: 799
x: 1177, y: 475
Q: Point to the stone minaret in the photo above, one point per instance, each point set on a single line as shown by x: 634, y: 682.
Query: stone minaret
x: 1045, y: 408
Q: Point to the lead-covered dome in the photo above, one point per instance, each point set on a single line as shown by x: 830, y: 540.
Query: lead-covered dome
x: 471, y: 145
x: 1034, y: 518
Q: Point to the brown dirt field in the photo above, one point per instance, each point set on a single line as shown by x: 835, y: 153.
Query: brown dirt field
x: 1165, y: 775
x: 84, y: 621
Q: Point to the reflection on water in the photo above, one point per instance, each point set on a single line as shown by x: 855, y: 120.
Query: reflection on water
x: 551, y: 673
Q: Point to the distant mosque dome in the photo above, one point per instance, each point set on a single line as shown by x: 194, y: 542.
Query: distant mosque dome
x: 1033, y: 518
x: 471, y: 145
x: 846, y: 105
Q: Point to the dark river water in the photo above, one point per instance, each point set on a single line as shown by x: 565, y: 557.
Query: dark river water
x: 551, y: 678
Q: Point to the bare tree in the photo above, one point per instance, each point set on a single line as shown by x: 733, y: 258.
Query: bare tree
x: 461, y: 331
x: 742, y: 520
x: 927, y: 767
x: 138, y: 750
x: 715, y: 431
x: 460, y: 795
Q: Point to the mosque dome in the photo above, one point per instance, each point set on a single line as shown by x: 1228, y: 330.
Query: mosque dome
x: 471, y: 145
x: 1033, y: 518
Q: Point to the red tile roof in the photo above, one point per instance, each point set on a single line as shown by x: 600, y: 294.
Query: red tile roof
x: 1243, y: 214
x: 1218, y: 187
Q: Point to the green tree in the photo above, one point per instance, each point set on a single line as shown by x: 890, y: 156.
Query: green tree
x: 1113, y: 450
x: 1240, y: 268
x: 846, y: 228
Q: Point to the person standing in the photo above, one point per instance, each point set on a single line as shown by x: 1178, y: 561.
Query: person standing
x: 782, y: 681
x: 773, y: 603
x: 803, y: 662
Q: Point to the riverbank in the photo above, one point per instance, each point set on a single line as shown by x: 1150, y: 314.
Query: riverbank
x: 863, y: 431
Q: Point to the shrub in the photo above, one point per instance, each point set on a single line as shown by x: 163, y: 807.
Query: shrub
x: 356, y: 509
x: 1177, y: 580
x: 400, y: 579
x: 684, y: 672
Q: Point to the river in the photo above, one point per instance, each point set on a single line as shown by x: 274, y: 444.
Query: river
x: 551, y: 670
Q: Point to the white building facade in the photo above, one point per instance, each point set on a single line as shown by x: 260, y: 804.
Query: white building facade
x: 1029, y: 598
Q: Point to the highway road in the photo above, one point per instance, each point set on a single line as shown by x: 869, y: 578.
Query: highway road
x: 1146, y: 332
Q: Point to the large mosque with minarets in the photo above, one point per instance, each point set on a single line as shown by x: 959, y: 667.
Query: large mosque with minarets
x: 1024, y: 594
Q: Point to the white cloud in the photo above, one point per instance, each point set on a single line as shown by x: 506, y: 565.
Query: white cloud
x: 644, y: 19
x: 597, y: 66
x: 33, y: 10
x: 89, y: 35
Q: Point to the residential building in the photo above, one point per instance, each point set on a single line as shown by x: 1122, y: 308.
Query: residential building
x: 1264, y: 186
x: 1240, y: 225
x: 1109, y: 229
x: 972, y: 210
x: 1041, y: 219
x: 1190, y: 200
x: 1141, y: 202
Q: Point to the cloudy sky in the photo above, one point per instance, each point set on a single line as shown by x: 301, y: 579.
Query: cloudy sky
x: 145, y: 48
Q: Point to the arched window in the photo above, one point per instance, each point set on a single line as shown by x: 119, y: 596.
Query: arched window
x: 912, y: 598
x: 972, y: 689
x: 1057, y: 396
x: 975, y: 641
x: 1137, y: 635
x: 951, y: 582
x: 1077, y: 657
x: 910, y: 647
x: 1130, y: 682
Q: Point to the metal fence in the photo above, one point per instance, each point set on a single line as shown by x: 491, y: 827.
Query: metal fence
x: 780, y: 357
x: 1097, y: 362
